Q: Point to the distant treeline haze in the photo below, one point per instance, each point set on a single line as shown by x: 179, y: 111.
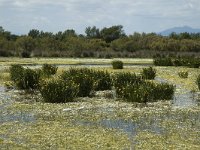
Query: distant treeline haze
x: 106, y: 42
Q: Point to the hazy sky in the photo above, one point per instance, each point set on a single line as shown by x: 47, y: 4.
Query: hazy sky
x: 19, y: 16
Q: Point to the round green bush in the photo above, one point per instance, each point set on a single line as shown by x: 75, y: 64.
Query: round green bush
x: 117, y: 64
x: 58, y: 91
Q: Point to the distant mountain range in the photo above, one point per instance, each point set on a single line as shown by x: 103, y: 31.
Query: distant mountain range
x: 179, y: 30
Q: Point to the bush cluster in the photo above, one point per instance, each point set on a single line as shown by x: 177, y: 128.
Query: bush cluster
x: 80, y: 82
x: 24, y: 78
x: 163, y: 61
x: 134, y: 89
x: 179, y: 61
x: 81, y: 77
x: 148, y: 73
x: 117, y: 64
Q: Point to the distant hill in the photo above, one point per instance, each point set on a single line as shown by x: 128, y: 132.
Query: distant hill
x: 179, y: 30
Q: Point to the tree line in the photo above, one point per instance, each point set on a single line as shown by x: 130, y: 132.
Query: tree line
x: 106, y: 42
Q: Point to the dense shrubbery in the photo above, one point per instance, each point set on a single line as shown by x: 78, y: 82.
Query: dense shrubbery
x: 81, y: 77
x: 198, y: 81
x: 80, y: 82
x: 24, y: 78
x: 148, y: 73
x: 55, y: 90
x: 163, y: 61
x: 179, y: 61
x: 183, y: 74
x: 147, y: 92
x: 102, y: 80
x: 121, y: 80
x: 16, y: 72
x: 48, y: 69
x: 117, y: 64
x: 132, y: 88
x: 106, y: 42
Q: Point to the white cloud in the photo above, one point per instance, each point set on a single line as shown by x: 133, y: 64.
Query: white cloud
x: 139, y: 15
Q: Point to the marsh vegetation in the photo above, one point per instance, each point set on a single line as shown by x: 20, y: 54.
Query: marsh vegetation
x: 99, y: 107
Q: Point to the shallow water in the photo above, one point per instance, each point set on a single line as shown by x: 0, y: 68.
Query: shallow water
x: 6, y: 115
x: 182, y: 97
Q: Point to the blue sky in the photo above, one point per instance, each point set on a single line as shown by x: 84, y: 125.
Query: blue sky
x: 19, y: 16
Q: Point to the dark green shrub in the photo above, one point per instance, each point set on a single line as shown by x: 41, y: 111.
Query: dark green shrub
x: 24, y: 78
x: 16, y: 72
x: 198, y: 82
x: 81, y: 77
x: 147, y: 92
x: 121, y: 80
x: 148, y: 73
x: 102, y: 80
x: 30, y: 79
x: 49, y: 69
x: 166, y: 61
x: 117, y: 64
x: 183, y: 74
x: 162, y: 91
x: 58, y: 91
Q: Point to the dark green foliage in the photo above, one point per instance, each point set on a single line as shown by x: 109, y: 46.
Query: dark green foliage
x: 122, y: 80
x: 179, y: 61
x: 102, y: 80
x: 108, y: 42
x: 58, y: 91
x: 82, y: 78
x: 16, y: 72
x: 117, y: 64
x: 24, y: 78
x: 148, y: 73
x: 163, y: 61
x: 133, y: 88
x: 198, y: 82
x: 183, y: 74
x: 147, y: 92
x: 49, y: 69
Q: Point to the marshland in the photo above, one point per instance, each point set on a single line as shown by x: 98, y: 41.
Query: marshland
x: 66, y: 103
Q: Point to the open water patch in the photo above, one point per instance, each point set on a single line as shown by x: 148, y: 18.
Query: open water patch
x: 7, y: 114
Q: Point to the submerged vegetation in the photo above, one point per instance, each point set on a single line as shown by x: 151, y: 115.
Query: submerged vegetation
x: 101, y: 121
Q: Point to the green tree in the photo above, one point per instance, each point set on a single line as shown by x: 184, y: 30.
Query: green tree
x: 92, y: 32
x: 34, y: 33
x: 112, y: 33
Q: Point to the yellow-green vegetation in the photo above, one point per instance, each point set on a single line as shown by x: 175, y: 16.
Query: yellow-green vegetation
x: 35, y: 61
x: 99, y: 122
x: 171, y: 74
